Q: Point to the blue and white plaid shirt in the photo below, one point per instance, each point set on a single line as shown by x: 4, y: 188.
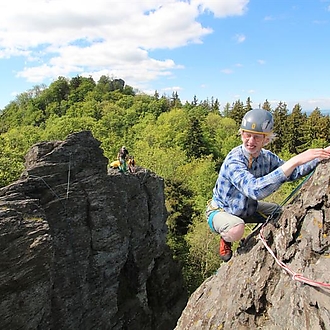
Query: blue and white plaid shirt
x: 238, y: 187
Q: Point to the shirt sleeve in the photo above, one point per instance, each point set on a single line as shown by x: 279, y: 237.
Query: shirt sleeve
x: 253, y: 187
x: 303, y: 170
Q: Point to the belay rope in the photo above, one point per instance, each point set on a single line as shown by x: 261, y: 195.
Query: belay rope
x: 295, y: 276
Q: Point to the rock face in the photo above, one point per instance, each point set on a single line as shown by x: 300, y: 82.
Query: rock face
x: 253, y: 291
x: 84, y: 248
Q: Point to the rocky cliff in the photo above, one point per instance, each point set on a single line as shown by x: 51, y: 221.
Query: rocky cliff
x: 255, y: 290
x: 84, y: 248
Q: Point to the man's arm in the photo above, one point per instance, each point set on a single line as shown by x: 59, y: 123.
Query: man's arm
x: 304, y: 157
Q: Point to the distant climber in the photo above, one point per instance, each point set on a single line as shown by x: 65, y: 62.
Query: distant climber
x: 123, y: 157
x: 250, y: 173
x: 131, y: 164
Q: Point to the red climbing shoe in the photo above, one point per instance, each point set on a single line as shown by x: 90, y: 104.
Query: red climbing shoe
x: 225, y: 250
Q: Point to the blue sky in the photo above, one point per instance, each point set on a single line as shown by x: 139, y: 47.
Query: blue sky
x: 277, y: 50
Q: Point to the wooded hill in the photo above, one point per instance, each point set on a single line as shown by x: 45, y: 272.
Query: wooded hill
x: 183, y: 143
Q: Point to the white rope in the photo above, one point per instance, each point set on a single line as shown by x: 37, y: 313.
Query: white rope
x: 295, y: 276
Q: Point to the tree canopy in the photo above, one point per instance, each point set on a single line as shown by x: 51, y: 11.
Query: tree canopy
x: 183, y: 143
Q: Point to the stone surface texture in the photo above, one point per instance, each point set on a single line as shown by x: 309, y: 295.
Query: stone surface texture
x: 84, y: 247
x: 253, y: 291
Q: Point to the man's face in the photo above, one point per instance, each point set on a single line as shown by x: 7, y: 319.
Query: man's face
x: 252, y: 142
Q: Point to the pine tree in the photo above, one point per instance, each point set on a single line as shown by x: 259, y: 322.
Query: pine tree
x: 280, y: 116
x: 295, y: 138
x: 194, y: 143
x: 237, y: 112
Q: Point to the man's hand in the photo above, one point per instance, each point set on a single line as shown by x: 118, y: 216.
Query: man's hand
x: 304, y: 157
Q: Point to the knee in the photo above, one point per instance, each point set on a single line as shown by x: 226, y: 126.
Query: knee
x: 234, y: 234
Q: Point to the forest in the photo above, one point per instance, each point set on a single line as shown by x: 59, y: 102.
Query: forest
x: 184, y: 144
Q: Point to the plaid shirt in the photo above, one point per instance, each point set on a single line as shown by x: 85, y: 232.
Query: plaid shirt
x: 238, y: 187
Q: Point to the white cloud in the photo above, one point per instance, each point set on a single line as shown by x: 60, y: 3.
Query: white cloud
x: 114, y: 37
x: 227, y: 71
x: 174, y: 88
x: 240, y: 38
x: 223, y: 8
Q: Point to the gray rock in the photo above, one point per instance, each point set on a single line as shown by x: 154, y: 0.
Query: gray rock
x: 252, y: 291
x: 84, y: 248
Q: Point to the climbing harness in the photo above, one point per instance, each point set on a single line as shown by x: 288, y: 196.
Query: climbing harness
x: 295, y: 276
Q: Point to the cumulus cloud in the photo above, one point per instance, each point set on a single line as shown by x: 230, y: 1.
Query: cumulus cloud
x: 112, y: 37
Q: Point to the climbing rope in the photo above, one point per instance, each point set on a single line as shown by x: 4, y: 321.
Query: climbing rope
x: 295, y: 276
x: 293, y: 193
x: 70, y: 231
x: 68, y: 181
x: 48, y: 186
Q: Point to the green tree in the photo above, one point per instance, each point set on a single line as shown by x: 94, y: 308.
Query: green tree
x: 295, y: 126
x: 79, y: 88
x: 267, y: 106
x: 58, y: 128
x: 202, y: 259
x: 226, y: 110
x: 237, y: 112
x: 248, y: 105
x: 14, y: 144
x: 314, y: 127
x: 159, y: 106
x: 58, y: 92
x: 194, y: 142
x: 11, y: 116
x: 280, y: 116
x: 175, y: 100
x: 215, y: 105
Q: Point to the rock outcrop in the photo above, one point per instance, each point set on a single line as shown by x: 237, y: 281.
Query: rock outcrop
x: 84, y: 248
x: 253, y: 291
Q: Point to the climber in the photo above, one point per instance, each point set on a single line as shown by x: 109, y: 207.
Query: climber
x: 122, y: 157
x: 250, y: 173
x: 131, y: 164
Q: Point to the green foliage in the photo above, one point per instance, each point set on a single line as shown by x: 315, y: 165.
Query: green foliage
x: 194, y: 142
x: 179, y: 208
x: 237, y: 112
x: 295, y: 125
x: 280, y: 116
x: 161, y: 160
x: 58, y: 128
x: 14, y: 144
x: 199, y: 176
x: 203, y: 259
x: 184, y: 144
